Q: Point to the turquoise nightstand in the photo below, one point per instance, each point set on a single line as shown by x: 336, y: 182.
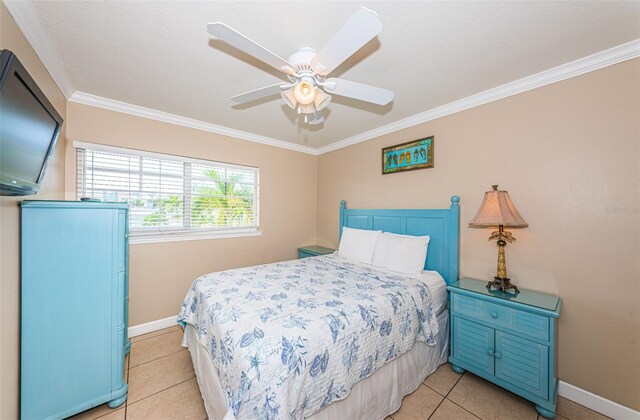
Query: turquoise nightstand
x: 314, y: 251
x: 510, y: 340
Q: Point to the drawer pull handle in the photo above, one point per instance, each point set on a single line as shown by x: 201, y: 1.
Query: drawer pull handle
x: 494, y: 314
x: 490, y: 352
x: 498, y: 355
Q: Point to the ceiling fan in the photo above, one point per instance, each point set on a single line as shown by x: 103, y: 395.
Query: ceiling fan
x: 307, y: 70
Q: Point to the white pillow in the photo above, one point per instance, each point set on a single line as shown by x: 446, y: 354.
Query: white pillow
x: 401, y: 253
x: 358, y: 244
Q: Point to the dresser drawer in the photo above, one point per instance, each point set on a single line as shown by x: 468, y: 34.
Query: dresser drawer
x: 502, y: 317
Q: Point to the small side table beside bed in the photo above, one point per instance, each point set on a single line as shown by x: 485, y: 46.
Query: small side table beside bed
x: 314, y: 251
x: 508, y: 339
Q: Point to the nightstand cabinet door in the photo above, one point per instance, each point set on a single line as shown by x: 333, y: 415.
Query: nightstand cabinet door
x: 474, y: 344
x: 522, y: 363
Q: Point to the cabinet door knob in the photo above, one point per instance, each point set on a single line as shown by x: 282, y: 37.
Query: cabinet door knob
x: 490, y: 352
x: 498, y: 355
x: 494, y: 314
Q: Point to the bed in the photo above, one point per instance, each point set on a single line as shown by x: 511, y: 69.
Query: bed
x: 324, y: 337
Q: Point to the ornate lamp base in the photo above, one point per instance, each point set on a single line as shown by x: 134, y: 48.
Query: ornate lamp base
x: 503, y: 284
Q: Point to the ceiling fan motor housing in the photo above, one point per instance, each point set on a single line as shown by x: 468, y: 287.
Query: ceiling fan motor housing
x: 302, y: 57
x: 300, y: 61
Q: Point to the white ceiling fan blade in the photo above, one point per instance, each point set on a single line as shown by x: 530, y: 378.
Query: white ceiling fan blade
x: 359, y: 29
x: 358, y: 91
x: 260, y: 93
x: 241, y: 42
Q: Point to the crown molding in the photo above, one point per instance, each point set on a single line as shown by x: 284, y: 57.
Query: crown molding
x: 583, y: 65
x: 29, y: 24
x: 152, y: 114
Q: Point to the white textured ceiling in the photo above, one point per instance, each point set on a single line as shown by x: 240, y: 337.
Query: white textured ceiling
x: 159, y: 55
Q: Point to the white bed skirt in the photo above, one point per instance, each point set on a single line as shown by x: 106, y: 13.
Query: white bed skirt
x: 374, y: 397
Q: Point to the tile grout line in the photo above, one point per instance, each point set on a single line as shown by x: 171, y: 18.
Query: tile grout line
x: 439, y: 404
x: 159, y: 357
x: 538, y: 416
x: 445, y: 396
x: 126, y: 403
x: 454, y: 385
x: 472, y: 413
x: 149, y: 361
x: 153, y: 336
x: 453, y: 402
x: 162, y: 390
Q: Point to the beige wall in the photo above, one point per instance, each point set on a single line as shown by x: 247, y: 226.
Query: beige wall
x: 569, y: 154
x: 161, y: 273
x: 52, y: 188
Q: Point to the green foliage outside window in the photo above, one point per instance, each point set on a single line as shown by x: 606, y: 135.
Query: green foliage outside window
x: 220, y: 203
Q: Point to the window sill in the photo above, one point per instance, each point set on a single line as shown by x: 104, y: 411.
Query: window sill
x: 190, y: 236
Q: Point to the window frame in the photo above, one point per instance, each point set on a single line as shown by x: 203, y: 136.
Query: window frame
x: 140, y: 236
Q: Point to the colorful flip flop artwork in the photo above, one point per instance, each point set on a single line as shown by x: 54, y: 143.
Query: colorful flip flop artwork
x: 417, y: 154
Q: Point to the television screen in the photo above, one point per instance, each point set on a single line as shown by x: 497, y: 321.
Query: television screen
x: 29, y: 127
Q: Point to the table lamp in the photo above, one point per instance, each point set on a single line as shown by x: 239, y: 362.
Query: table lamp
x: 497, y: 209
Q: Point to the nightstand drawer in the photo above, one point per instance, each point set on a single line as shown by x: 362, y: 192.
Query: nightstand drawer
x: 466, y: 306
x: 521, y: 322
x: 303, y: 254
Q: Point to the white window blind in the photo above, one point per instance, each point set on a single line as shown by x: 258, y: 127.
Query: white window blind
x: 170, y: 194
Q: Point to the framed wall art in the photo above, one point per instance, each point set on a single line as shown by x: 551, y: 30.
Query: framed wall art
x: 416, y: 154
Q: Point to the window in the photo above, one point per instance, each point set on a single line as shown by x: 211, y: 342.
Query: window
x: 171, y: 197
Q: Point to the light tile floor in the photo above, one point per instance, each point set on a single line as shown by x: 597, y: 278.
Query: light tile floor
x: 162, y: 385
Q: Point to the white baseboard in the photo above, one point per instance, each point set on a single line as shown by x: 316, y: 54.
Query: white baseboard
x: 568, y: 391
x: 596, y: 402
x: 152, y: 326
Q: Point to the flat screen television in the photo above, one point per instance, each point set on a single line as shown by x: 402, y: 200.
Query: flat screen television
x: 29, y: 128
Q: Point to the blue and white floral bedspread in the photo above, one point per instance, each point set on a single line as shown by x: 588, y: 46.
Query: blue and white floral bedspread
x: 289, y: 338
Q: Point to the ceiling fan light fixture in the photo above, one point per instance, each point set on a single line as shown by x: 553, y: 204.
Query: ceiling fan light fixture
x: 305, y: 91
x: 321, y: 100
x: 306, y: 109
x: 289, y: 98
x: 311, y: 87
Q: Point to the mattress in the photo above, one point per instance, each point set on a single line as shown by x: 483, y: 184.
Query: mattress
x: 374, y: 397
x: 287, y: 339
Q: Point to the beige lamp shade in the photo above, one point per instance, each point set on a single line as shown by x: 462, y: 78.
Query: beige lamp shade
x: 289, y: 98
x: 321, y: 100
x: 306, y: 108
x: 497, y: 209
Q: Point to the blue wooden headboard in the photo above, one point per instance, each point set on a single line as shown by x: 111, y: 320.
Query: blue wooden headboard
x: 442, y: 226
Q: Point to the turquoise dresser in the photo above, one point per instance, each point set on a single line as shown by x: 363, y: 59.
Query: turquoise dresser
x: 73, y: 307
x: 510, y: 340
